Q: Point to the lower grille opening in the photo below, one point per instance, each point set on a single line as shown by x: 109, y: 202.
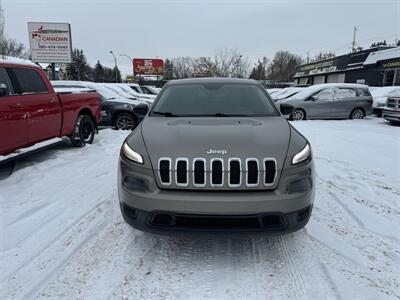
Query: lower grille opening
x: 303, y: 214
x: 162, y: 220
x: 273, y: 221
x: 130, y: 212
x: 216, y: 222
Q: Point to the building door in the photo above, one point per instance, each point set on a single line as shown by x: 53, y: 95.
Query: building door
x: 336, y: 78
x: 319, y: 79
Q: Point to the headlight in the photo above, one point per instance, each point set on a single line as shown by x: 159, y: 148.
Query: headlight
x: 130, y: 154
x: 302, y: 155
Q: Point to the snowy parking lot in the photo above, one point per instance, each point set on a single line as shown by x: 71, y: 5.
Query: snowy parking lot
x: 62, y: 235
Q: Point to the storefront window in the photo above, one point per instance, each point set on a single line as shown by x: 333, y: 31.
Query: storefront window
x: 397, y: 77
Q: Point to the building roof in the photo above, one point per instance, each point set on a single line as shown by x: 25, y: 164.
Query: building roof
x: 375, y: 57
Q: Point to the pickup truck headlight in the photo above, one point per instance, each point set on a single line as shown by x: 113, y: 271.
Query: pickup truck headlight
x: 130, y: 154
x: 303, y: 155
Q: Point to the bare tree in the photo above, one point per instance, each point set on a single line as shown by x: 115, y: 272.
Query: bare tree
x: 225, y: 63
x: 230, y: 63
x: 182, y: 67
x: 259, y: 71
x: 9, y: 47
x: 204, y: 67
x: 323, y: 55
x: 282, y: 67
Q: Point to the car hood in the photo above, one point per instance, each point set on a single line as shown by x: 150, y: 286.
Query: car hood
x: 125, y: 101
x: 266, y: 137
x: 379, y: 101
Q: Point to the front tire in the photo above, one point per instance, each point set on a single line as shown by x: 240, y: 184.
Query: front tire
x: 357, y: 114
x: 125, y: 121
x: 84, y: 131
x: 298, y: 115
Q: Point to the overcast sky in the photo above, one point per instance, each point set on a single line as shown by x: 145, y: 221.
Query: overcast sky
x: 167, y: 29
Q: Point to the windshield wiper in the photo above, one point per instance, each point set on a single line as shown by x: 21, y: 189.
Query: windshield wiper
x: 226, y: 115
x: 161, y: 113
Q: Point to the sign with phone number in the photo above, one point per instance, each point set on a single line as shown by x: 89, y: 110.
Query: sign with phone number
x: 50, y: 42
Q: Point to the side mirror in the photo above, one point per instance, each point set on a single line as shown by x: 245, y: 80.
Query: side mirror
x: 3, y: 90
x: 141, y: 109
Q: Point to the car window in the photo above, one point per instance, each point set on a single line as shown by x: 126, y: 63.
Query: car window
x: 135, y: 89
x: 29, y: 81
x: 209, y: 99
x: 325, y: 95
x: 145, y: 90
x: 5, y: 83
x: 363, y: 93
x: 343, y: 93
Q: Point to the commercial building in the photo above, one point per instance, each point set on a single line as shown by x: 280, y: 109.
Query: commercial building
x: 378, y: 66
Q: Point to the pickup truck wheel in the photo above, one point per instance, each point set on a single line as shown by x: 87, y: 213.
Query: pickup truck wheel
x: 125, y: 121
x: 84, y: 131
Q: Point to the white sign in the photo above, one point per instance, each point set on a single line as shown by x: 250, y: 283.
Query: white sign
x: 50, y: 42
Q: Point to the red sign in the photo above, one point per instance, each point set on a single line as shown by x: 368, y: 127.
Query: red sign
x: 144, y: 66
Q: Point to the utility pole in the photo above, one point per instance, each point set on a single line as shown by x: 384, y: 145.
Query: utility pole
x: 116, y: 68
x: 354, y: 39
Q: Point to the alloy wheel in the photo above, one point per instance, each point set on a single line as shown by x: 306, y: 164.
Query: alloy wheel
x: 125, y: 122
x: 357, y: 114
x: 298, y: 115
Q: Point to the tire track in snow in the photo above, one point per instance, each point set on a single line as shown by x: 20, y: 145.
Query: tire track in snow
x: 358, y: 221
x: 275, y: 263
x: 21, y: 284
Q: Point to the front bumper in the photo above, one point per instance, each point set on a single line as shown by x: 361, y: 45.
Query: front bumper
x: 391, y: 115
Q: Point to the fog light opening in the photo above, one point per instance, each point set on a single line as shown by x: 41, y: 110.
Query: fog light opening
x: 162, y: 220
x: 273, y: 221
x: 303, y: 214
x: 130, y: 212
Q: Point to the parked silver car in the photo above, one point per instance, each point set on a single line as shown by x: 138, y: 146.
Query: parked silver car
x: 214, y: 155
x: 329, y: 101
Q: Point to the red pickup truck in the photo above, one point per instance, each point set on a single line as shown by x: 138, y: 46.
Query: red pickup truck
x: 32, y: 113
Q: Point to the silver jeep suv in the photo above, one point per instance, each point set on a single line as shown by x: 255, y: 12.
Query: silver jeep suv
x: 214, y: 155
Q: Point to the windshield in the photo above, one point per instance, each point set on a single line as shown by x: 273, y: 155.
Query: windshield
x: 214, y: 99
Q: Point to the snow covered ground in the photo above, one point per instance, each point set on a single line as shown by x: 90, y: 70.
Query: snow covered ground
x: 62, y: 235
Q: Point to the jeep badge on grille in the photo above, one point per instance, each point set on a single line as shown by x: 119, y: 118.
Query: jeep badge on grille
x: 213, y: 151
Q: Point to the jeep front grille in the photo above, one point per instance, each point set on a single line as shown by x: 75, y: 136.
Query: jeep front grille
x: 217, y: 173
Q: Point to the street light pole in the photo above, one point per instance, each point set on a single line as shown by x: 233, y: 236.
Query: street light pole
x: 116, y: 68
